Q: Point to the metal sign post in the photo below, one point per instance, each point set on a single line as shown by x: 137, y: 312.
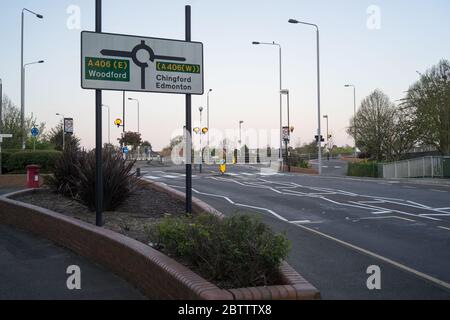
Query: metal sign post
x: 133, y: 63
x: 98, y: 133
x: 188, y: 151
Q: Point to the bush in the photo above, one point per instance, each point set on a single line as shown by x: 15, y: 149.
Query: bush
x: 234, y: 252
x: 363, y: 169
x: 297, y: 160
x: 65, y: 173
x: 118, y: 180
x: 18, y: 161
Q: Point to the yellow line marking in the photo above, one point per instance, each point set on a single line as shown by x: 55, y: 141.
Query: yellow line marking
x: 377, y: 256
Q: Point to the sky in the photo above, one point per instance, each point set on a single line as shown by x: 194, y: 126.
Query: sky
x: 370, y: 49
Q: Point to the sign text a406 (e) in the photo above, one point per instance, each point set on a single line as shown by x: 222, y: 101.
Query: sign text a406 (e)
x: 132, y: 63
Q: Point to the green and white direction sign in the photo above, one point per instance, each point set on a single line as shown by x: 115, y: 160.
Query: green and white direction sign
x: 132, y: 63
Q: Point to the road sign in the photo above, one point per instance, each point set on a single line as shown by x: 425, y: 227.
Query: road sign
x: 125, y: 150
x: 68, y: 125
x: 2, y: 136
x: 118, y: 123
x: 132, y: 63
x: 322, y: 139
x: 286, y: 134
x: 35, y: 132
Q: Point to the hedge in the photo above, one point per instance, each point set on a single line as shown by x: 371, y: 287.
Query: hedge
x: 17, y: 162
x: 363, y: 169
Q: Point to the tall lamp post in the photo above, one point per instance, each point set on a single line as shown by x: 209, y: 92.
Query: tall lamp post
x: 318, y: 87
x: 287, y: 93
x: 139, y: 121
x: 22, y: 73
x: 63, y: 132
x: 201, y: 133
x: 281, y: 97
x: 207, y: 120
x: 354, y: 112
x: 23, y: 99
x: 109, y: 124
x: 328, y: 137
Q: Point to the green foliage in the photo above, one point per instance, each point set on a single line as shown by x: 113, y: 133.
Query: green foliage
x: 428, y: 101
x: 132, y: 139
x: 18, y: 161
x: 118, y: 180
x: 234, y: 252
x: 55, y: 137
x: 74, y: 176
x: 11, y: 124
x: 297, y: 160
x: 363, y: 169
x: 65, y: 173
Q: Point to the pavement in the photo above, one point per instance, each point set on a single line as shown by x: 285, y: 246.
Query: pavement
x: 32, y: 268
x: 340, y: 226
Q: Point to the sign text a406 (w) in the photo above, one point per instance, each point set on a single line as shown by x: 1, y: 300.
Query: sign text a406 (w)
x: 132, y: 63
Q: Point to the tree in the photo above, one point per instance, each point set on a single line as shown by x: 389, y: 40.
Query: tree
x: 55, y: 137
x: 167, y: 151
x: 11, y: 124
x: 428, y: 101
x: 374, y: 126
x: 132, y: 139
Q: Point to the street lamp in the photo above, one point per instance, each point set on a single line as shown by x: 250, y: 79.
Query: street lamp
x: 281, y: 98
x: 63, y: 133
x: 207, y: 111
x: 22, y: 74
x: 201, y: 133
x: 328, y: 137
x: 109, y: 124
x: 139, y: 121
x: 287, y: 94
x: 354, y: 112
x: 23, y: 98
x: 138, y: 105
x: 318, y: 87
x: 240, y: 132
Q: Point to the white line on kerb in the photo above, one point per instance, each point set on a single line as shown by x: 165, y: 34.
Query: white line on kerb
x: 394, y: 263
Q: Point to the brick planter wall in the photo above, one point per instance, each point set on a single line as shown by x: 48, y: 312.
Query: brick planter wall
x: 155, y: 274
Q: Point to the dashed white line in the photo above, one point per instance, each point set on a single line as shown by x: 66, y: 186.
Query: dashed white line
x: 445, y: 228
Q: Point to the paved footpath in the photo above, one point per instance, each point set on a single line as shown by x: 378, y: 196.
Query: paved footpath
x: 32, y: 268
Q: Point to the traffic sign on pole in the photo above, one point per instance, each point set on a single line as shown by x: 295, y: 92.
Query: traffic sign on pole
x: 35, y: 132
x: 133, y: 63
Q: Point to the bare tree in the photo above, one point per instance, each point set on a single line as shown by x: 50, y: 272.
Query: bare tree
x: 374, y: 124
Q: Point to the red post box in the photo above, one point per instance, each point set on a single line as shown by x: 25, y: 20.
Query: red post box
x: 33, y: 176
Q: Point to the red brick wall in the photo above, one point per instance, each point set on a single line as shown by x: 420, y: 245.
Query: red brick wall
x: 155, y: 274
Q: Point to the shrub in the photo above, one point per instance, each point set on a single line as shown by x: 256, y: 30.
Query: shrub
x: 65, y: 173
x: 234, y: 252
x: 363, y: 169
x: 118, y: 180
x: 18, y: 161
x: 296, y: 160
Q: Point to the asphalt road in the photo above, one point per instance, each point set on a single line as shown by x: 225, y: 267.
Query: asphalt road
x: 32, y: 268
x: 340, y: 226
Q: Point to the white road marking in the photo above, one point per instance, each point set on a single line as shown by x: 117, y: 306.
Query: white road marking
x: 445, y: 228
x: 300, y: 222
x: 338, y: 167
x: 436, y: 190
x: 388, y: 217
x: 152, y: 177
x: 367, y: 252
x: 377, y: 256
